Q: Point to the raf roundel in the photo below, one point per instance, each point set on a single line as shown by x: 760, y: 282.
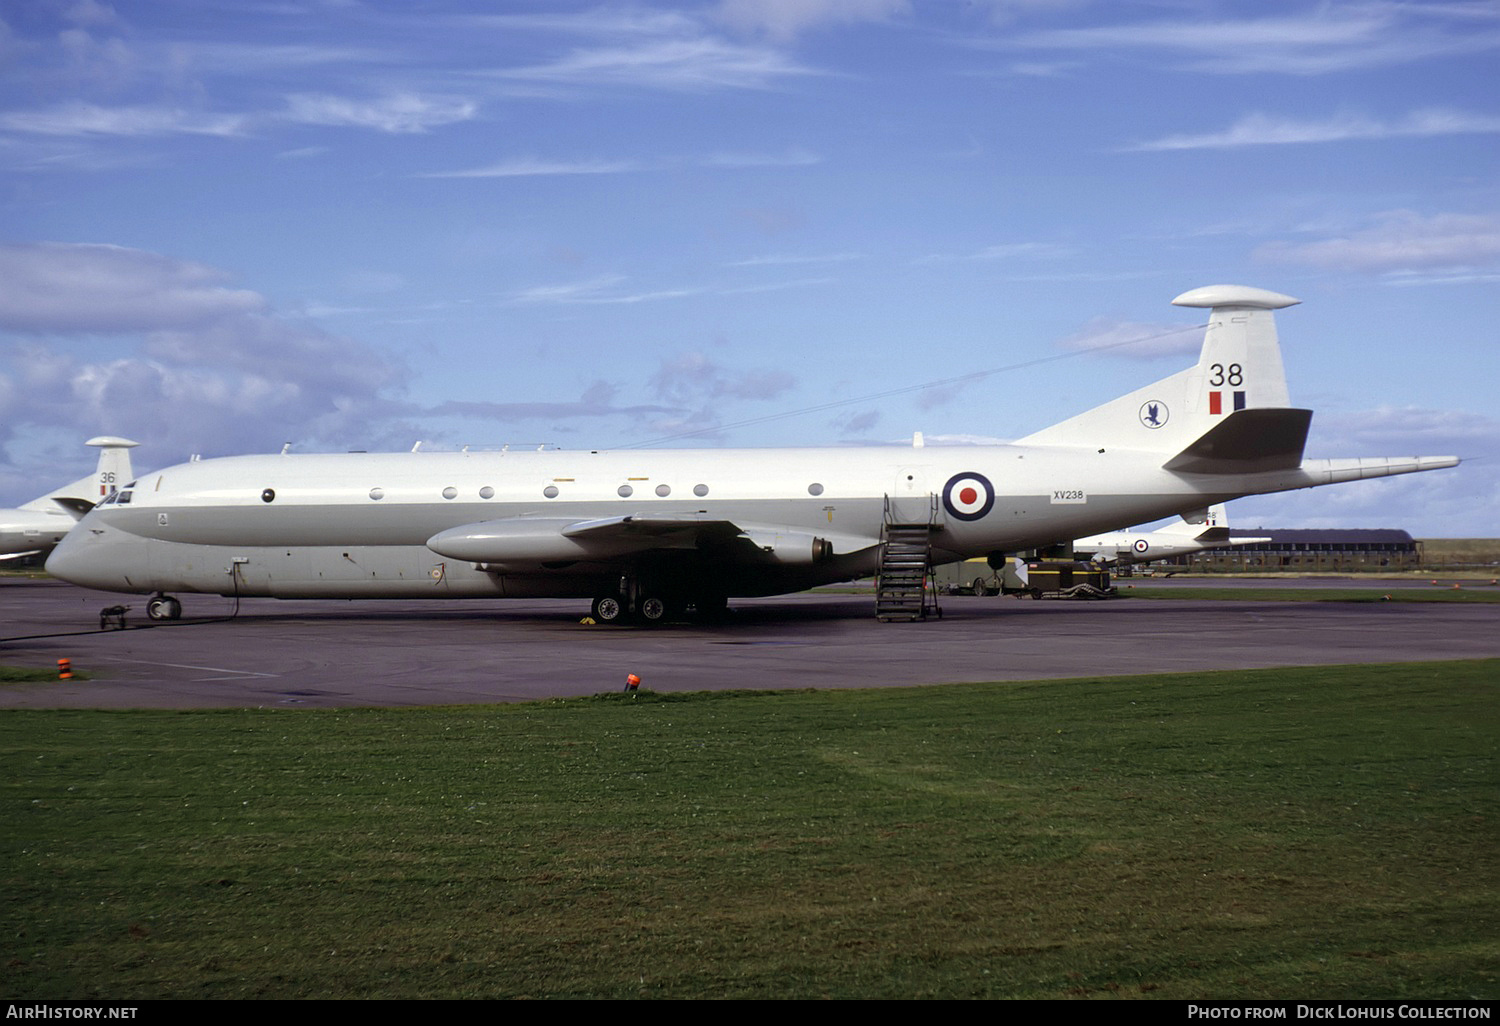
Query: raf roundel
x: 968, y: 496
x: 1141, y: 545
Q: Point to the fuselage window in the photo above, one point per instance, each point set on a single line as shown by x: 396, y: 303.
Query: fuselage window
x: 663, y: 490
x: 550, y: 491
x: 269, y: 495
x: 450, y: 492
x: 486, y: 492
x: 700, y: 490
x: 377, y: 493
x: 814, y: 489
x: 625, y: 491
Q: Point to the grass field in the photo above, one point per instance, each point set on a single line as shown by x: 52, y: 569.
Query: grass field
x: 1323, y: 832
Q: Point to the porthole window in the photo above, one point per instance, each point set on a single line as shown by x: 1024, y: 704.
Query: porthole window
x: 815, y: 489
x: 450, y: 492
x: 625, y: 491
x: 269, y: 495
x: 486, y: 492
x: 700, y: 490
x: 550, y: 491
x: 663, y: 490
x: 377, y: 493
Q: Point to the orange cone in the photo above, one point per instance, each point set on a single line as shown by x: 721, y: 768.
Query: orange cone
x: 632, y: 682
x: 65, y: 669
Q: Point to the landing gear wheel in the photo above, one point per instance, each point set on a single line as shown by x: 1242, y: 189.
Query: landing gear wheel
x: 164, y: 607
x: 652, y: 610
x: 609, y: 609
x: 980, y: 587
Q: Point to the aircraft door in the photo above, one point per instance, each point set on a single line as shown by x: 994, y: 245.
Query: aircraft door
x: 911, y: 498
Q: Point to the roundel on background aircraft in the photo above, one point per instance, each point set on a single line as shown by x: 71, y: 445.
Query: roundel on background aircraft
x: 968, y: 496
x: 1141, y: 545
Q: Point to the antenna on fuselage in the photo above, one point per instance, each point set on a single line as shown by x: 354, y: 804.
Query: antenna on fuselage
x: 286, y: 447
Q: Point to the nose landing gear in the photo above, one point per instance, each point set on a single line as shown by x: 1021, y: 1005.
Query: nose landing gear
x: 163, y: 607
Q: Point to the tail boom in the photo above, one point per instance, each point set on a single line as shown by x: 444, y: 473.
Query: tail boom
x: 1321, y: 472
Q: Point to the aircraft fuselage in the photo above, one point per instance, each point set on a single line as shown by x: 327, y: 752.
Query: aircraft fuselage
x: 350, y: 525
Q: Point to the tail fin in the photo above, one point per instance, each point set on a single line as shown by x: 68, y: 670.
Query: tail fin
x: 1239, y: 371
x: 1205, y: 525
x: 82, y: 495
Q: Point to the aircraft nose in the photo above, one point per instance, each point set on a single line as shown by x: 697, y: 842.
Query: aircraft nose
x: 84, y: 558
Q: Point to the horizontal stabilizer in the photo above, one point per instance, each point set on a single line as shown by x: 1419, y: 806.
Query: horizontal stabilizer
x: 76, y: 507
x: 1247, y: 442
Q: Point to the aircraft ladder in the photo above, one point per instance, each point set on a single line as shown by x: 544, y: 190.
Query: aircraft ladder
x: 903, y: 583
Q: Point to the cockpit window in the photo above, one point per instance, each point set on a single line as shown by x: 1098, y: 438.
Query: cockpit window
x: 123, y: 498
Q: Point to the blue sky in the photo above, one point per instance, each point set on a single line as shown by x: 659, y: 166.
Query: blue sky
x: 353, y: 224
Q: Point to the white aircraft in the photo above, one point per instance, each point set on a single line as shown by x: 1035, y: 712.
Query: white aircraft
x: 1208, y: 529
x: 644, y: 532
x: 37, y: 526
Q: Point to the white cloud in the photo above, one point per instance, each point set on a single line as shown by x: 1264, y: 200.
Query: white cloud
x: 1411, y: 430
x: 400, y: 113
x: 87, y: 119
x: 1004, y: 251
x: 569, y: 292
x: 1268, y: 130
x: 1134, y: 339
x: 694, y: 379
x: 1326, y: 39
x: 597, y: 400
x: 1400, y: 241
x: 49, y: 288
x: 215, y: 371
x: 689, y: 64
x: 786, y: 19
x: 528, y: 167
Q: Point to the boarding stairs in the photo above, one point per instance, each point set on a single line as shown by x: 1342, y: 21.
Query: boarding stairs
x: 903, y: 582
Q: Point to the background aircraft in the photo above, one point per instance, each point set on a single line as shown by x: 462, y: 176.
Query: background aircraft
x: 1190, y: 534
x: 644, y: 532
x: 37, y: 526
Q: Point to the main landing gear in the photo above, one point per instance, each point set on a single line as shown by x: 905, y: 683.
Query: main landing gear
x: 650, y: 609
x: 647, y: 606
x: 163, y: 607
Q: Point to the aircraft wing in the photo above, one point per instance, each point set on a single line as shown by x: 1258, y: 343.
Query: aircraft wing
x: 530, y: 544
x: 18, y: 555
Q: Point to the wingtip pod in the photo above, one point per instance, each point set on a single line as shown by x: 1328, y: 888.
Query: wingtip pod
x: 111, y: 442
x: 1211, y: 296
x: 1360, y: 468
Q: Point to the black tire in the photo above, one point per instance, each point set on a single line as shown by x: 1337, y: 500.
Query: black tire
x: 651, y: 610
x: 980, y: 587
x: 609, y: 609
